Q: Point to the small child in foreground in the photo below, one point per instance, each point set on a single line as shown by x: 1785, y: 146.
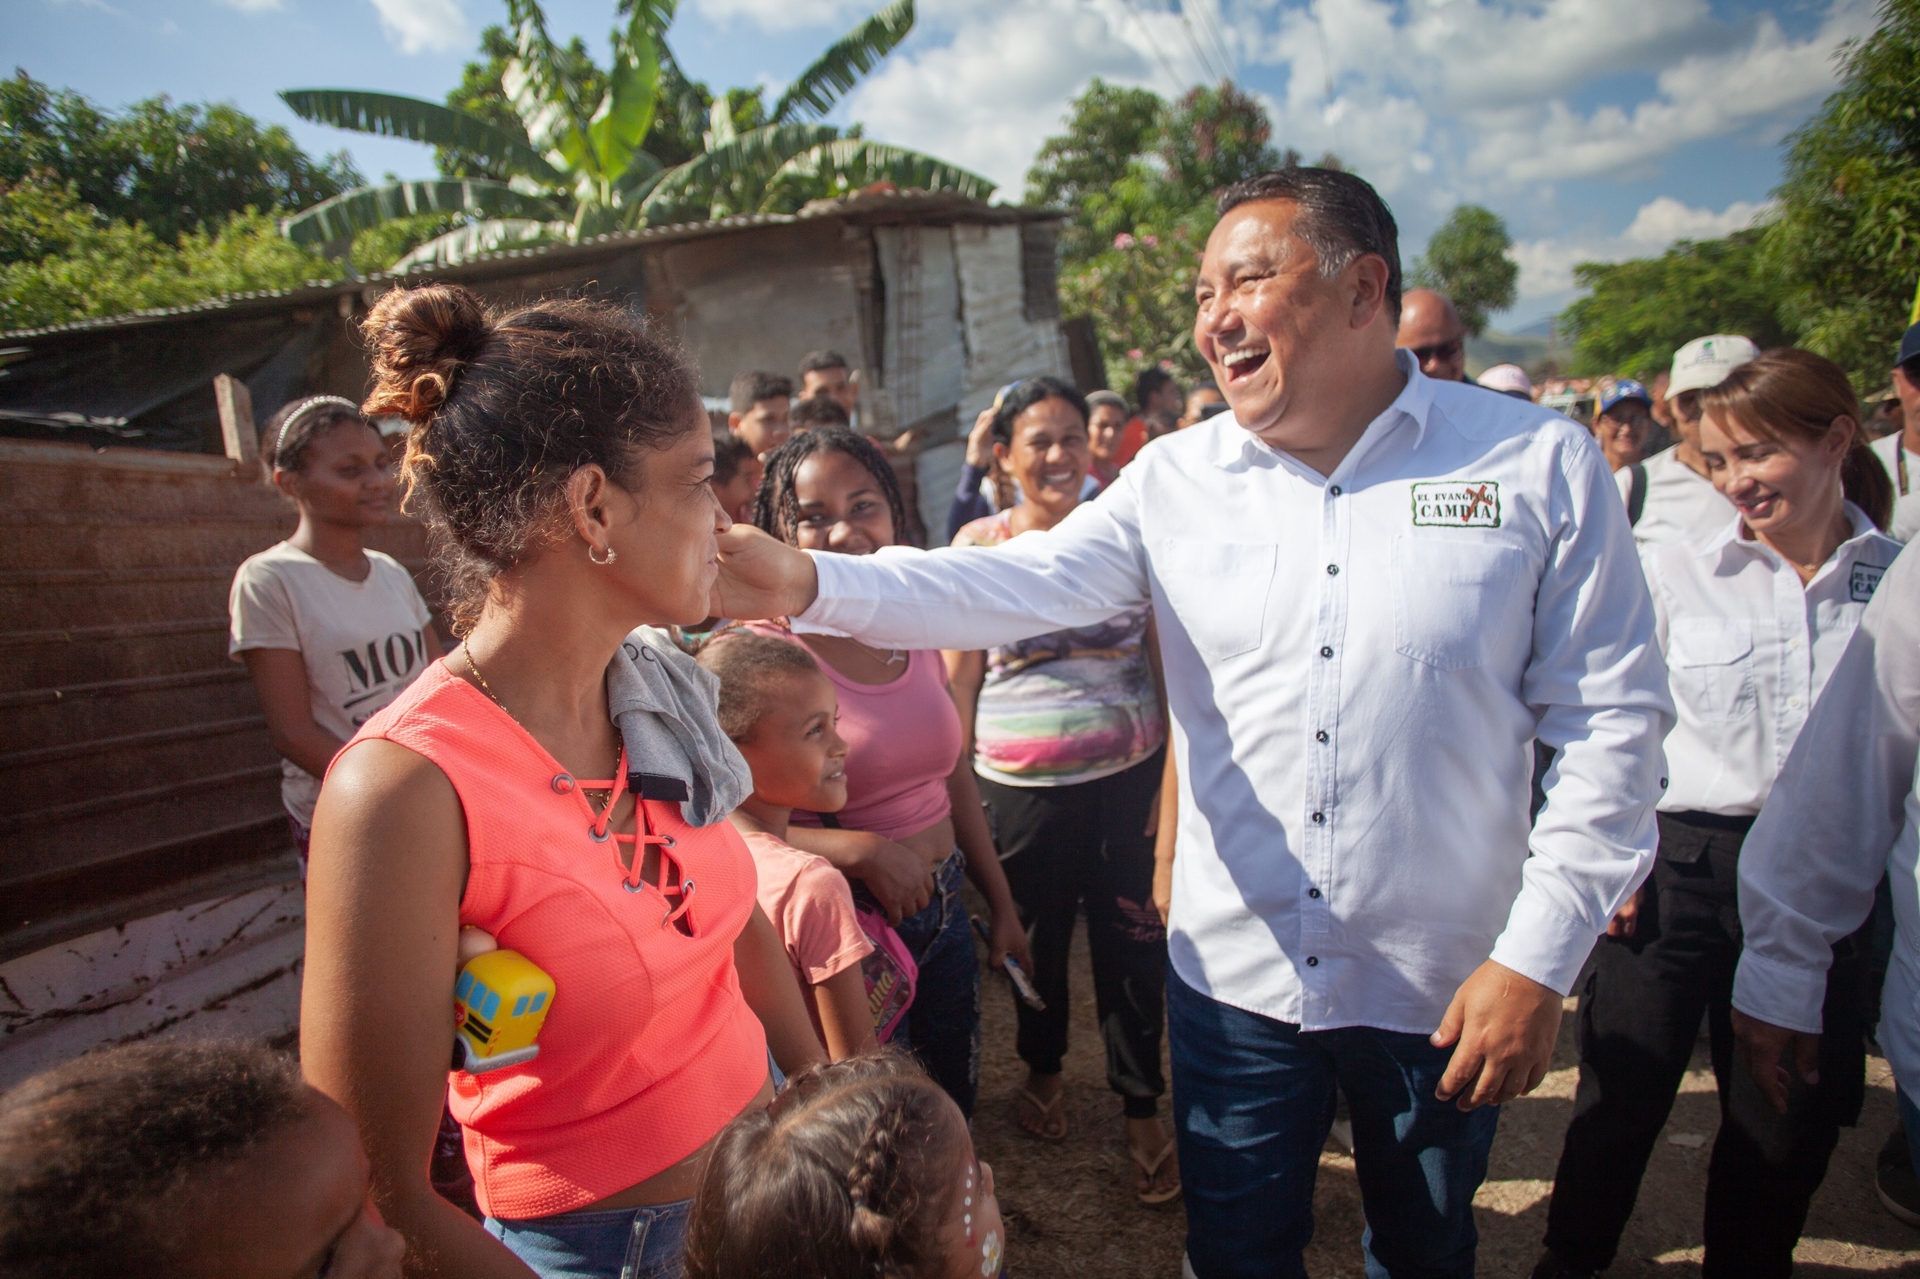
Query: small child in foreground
x: 862, y: 1169
x: 780, y: 711
x: 208, y: 1159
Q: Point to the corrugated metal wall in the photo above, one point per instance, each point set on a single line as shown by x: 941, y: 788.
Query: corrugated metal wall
x: 138, y: 772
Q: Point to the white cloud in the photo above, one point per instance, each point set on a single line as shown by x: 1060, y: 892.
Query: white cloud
x: 778, y: 15
x: 1546, y: 265
x: 416, y: 26
x: 255, y: 6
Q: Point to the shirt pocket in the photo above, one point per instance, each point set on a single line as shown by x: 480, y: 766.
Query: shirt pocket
x: 1710, y: 667
x: 1219, y: 592
x: 1450, y: 598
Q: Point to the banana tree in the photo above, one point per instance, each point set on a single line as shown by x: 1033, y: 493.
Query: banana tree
x: 579, y: 167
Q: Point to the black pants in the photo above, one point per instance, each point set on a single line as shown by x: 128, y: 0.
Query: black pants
x: 1064, y: 845
x: 1639, y: 1017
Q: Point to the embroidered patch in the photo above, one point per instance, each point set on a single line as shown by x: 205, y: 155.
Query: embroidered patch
x: 1472, y: 504
x: 1866, y: 578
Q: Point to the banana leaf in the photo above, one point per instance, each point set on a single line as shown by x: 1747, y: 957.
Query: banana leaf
x: 356, y: 210
x: 815, y: 90
x: 846, y: 165
x: 625, y: 115
x: 543, y: 96
x: 391, y: 115
x: 688, y: 192
x: 464, y: 243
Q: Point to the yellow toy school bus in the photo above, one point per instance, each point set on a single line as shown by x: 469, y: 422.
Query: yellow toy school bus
x: 500, y: 1002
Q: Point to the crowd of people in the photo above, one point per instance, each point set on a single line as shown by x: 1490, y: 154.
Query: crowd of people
x: 1363, y: 712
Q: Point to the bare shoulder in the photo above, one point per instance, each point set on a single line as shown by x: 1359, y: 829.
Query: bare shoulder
x: 388, y: 811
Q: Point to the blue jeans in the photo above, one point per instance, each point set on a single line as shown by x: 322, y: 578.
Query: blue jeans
x: 1252, y: 1103
x: 1910, y: 1116
x: 943, y: 1025
x: 622, y: 1243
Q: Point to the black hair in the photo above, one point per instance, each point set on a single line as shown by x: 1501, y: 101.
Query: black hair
x: 291, y: 431
x: 94, y: 1153
x: 730, y: 453
x: 777, y: 509
x: 817, y: 411
x: 747, y: 666
x: 506, y: 407
x: 748, y: 389
x: 1025, y: 395
x: 847, y: 1172
x: 1341, y: 217
x: 1146, y: 383
x: 815, y: 361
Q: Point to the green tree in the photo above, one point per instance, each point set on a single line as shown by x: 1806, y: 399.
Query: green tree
x: 574, y: 160
x: 1846, y: 243
x: 1109, y: 131
x: 175, y: 169
x: 1139, y: 291
x: 1466, y: 259
x: 1637, y: 313
x: 65, y: 262
x: 1213, y: 138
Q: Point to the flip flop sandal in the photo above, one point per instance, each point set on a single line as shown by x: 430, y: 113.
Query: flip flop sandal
x: 1150, y: 1168
x: 1050, y: 1113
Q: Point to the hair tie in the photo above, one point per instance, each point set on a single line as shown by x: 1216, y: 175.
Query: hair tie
x: 307, y: 407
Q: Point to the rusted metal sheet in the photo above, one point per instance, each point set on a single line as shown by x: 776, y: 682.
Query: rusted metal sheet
x: 1002, y: 344
x: 225, y: 967
x: 139, y: 768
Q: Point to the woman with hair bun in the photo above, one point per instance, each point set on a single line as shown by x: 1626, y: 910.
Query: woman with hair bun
x: 561, y: 456
x: 1752, y: 620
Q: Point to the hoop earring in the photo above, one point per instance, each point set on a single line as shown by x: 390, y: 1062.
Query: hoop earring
x: 612, y: 555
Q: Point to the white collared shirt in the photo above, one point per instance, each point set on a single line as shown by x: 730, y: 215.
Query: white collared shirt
x: 1902, y: 464
x: 1748, y: 651
x: 1357, y: 666
x: 1681, y: 505
x: 1842, y: 814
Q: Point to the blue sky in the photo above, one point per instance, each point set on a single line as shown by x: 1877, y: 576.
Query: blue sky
x: 1600, y: 129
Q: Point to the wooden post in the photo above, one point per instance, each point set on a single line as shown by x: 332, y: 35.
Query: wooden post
x: 236, y: 419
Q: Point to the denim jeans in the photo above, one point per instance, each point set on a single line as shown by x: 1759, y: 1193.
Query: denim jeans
x: 1910, y: 1117
x: 622, y: 1243
x: 1252, y: 1103
x: 942, y: 1028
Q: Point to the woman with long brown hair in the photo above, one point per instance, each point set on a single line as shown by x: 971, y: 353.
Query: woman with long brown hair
x: 561, y: 456
x: 1752, y: 620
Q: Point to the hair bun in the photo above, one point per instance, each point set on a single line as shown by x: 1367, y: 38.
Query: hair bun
x: 418, y: 340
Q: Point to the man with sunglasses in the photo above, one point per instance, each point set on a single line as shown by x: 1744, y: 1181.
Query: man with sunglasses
x: 1430, y: 327
x: 1669, y: 495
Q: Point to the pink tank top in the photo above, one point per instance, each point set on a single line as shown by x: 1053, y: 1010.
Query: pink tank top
x: 903, y: 740
x: 649, y: 1048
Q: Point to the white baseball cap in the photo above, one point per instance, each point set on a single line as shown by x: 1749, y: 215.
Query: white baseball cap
x: 1510, y: 378
x: 1705, y: 362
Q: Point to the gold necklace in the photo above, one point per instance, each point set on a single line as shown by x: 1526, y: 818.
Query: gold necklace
x: 466, y: 651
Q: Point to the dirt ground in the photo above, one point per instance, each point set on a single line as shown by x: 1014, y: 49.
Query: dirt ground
x: 1070, y: 1209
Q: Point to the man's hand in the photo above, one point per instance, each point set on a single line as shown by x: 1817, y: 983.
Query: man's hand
x: 1502, y: 1026
x: 1627, y: 918
x: 760, y: 577
x: 1768, y: 1049
x: 980, y: 441
x: 900, y: 879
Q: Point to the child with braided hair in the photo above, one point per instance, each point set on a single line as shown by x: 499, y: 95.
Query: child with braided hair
x: 863, y: 1169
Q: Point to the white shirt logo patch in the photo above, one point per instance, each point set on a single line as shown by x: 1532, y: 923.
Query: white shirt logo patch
x: 1472, y: 504
x: 1865, y: 578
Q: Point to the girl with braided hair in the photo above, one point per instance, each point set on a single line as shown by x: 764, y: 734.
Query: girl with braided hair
x: 912, y: 826
x: 863, y: 1169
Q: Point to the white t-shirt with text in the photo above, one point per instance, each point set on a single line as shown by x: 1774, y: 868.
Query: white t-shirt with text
x: 362, y: 642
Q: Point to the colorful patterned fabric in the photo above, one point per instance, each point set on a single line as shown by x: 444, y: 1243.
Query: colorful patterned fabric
x: 1066, y: 707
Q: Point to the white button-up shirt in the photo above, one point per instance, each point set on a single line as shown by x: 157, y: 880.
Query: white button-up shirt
x: 1357, y: 665
x: 1844, y: 812
x: 1681, y: 505
x: 1748, y: 650
x: 1903, y: 468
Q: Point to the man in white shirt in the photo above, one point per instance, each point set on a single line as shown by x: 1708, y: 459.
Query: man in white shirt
x: 1900, y: 452
x: 1669, y: 496
x: 1843, y: 812
x: 1373, y: 591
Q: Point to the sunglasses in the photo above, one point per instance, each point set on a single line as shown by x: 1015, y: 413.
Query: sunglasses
x: 1438, y: 351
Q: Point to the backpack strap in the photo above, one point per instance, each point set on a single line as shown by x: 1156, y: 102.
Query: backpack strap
x: 1636, y: 492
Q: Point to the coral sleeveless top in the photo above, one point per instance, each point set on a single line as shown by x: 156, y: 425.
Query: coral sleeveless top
x: 649, y: 1048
